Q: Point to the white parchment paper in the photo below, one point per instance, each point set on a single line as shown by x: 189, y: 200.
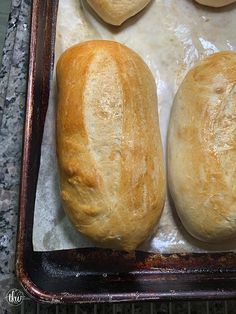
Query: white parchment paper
x: 171, y: 36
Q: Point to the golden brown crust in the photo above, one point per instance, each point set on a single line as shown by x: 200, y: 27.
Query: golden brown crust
x: 215, y: 3
x: 116, y: 12
x: 202, y: 149
x: 108, y: 143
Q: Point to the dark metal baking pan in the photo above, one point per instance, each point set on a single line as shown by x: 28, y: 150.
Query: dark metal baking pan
x: 96, y: 275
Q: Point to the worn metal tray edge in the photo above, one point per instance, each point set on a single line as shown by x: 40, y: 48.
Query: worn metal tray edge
x: 104, y: 275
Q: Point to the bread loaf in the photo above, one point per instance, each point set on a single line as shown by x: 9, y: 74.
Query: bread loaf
x: 215, y: 3
x: 202, y: 149
x: 115, y: 12
x: 108, y: 143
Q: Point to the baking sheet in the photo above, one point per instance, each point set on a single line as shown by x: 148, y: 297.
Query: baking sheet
x: 171, y: 36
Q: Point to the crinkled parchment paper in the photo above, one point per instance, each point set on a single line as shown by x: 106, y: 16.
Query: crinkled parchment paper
x: 171, y: 36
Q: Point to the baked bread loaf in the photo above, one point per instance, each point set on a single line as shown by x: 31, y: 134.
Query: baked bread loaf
x: 108, y: 144
x: 215, y: 3
x: 115, y: 12
x: 202, y: 149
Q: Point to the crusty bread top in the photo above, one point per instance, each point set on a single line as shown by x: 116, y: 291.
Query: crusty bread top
x: 108, y: 143
x: 202, y: 148
x: 115, y: 12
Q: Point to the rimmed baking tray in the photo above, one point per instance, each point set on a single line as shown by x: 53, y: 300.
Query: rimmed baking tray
x: 93, y: 274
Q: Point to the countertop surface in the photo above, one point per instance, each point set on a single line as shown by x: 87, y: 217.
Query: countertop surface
x: 12, y: 102
x: 5, y: 6
x: 13, y: 77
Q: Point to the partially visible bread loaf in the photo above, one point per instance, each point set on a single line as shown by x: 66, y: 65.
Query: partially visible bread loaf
x: 108, y: 143
x: 215, y: 3
x: 202, y: 149
x: 115, y: 12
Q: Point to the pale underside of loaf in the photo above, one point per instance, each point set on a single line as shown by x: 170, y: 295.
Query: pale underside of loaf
x: 202, y: 149
x: 215, y: 3
x: 110, y: 154
x: 116, y: 12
